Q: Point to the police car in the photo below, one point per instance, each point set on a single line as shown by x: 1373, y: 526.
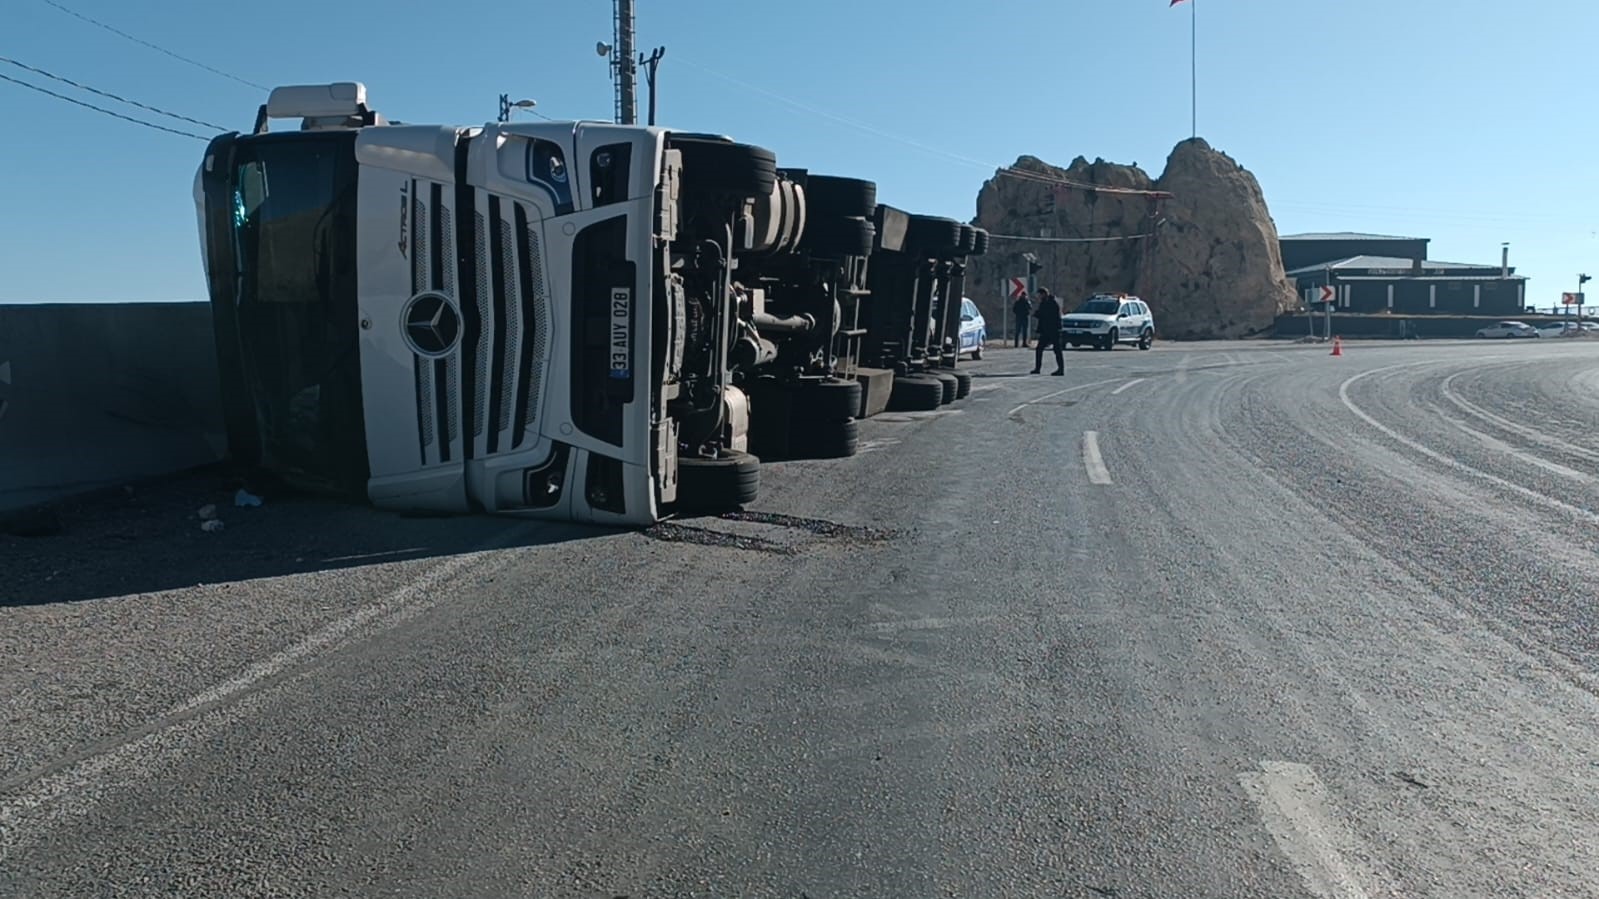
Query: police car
x: 1104, y: 320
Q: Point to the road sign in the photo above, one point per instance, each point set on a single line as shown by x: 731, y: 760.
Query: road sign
x: 1017, y: 287
x: 1328, y: 294
x: 1572, y: 299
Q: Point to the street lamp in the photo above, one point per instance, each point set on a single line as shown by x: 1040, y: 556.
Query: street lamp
x: 507, y: 106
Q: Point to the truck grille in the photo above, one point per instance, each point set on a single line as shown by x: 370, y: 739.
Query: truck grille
x: 514, y: 326
x: 433, y: 269
x: 499, y: 290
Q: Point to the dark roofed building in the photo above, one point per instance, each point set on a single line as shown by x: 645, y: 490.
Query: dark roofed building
x: 1414, y: 286
x: 1302, y: 250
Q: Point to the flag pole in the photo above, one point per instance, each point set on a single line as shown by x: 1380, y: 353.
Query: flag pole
x: 1193, y: 66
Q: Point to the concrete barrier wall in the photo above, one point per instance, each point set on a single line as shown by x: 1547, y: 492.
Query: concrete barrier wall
x: 1436, y: 327
x: 97, y: 394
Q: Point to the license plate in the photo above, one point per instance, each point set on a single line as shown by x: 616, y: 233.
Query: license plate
x: 621, y: 332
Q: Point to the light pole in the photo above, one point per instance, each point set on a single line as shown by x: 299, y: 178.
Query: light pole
x: 507, y: 106
x: 650, y: 63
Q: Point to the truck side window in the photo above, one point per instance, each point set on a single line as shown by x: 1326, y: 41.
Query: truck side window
x: 609, y: 167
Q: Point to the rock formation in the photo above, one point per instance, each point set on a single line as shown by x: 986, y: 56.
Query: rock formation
x: 1209, y: 264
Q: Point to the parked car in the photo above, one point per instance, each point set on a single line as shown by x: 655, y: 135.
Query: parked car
x: 974, y: 330
x: 1104, y: 320
x: 1567, y: 329
x: 1507, y: 330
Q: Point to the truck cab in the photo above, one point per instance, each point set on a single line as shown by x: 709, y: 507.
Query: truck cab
x: 532, y: 319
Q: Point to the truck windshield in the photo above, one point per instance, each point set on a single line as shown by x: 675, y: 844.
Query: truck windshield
x: 293, y: 202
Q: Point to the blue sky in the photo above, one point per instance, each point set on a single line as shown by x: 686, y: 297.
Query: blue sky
x: 1468, y: 121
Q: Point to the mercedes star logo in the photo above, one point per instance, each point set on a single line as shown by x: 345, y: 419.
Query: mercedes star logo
x: 432, y: 326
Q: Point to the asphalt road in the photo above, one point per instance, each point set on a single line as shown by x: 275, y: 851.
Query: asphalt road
x: 1212, y: 620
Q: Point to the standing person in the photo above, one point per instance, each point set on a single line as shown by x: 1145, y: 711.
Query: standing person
x: 1048, y: 315
x: 1023, y: 310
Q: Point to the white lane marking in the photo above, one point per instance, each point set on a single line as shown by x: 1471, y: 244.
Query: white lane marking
x: 923, y: 415
x: 1133, y: 383
x: 1062, y: 392
x: 1533, y: 434
x: 1497, y: 445
x: 1538, y: 498
x: 931, y: 624
x: 1294, y: 806
x: 80, y: 784
x: 1182, y: 369
x: 1097, y: 473
x: 984, y: 387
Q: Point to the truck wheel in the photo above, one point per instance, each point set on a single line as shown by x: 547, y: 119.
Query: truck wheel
x: 827, y: 196
x: 932, y: 234
x: 826, y: 439
x: 981, y: 246
x: 968, y: 241
x: 831, y: 236
x: 718, y: 485
x: 963, y: 384
x: 948, y: 384
x: 915, y: 393
x: 724, y: 166
x: 825, y: 400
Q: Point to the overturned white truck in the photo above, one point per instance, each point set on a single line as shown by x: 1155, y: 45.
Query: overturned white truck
x: 547, y: 319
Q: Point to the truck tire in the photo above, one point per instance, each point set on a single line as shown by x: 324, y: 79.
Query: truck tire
x: 963, y: 384
x: 825, y: 400
x: 949, y: 385
x: 718, y: 485
x: 825, y: 440
x: 915, y: 393
x: 726, y: 167
x: 827, y: 196
x: 981, y: 246
x: 932, y: 234
x: 968, y: 241
x: 832, y: 236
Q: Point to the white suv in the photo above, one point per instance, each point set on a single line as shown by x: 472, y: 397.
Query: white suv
x: 1104, y: 320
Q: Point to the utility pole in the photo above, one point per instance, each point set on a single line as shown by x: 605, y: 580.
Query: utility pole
x: 650, y: 63
x: 626, y: 65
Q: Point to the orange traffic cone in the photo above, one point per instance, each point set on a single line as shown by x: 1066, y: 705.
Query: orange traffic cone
x: 1338, y: 346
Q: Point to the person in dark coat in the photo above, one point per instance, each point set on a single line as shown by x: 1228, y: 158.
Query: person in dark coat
x: 1023, y: 310
x: 1048, y: 315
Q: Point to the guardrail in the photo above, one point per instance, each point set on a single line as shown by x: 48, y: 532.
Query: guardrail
x: 98, y: 394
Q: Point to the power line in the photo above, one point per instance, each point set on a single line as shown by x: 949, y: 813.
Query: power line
x: 1068, y: 239
x: 126, y: 118
x: 156, y: 47
x: 95, y: 90
x: 1021, y: 174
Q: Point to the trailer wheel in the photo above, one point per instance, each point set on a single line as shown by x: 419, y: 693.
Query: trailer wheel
x: 825, y: 400
x: 830, y: 236
x: 981, y: 246
x: 825, y: 439
x: 932, y: 234
x: 718, y: 485
x: 916, y: 393
x: 829, y: 196
x: 967, y: 242
x: 963, y: 384
x: 724, y: 166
